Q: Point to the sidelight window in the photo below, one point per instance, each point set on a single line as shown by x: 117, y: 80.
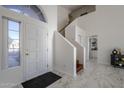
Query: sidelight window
x: 13, y: 43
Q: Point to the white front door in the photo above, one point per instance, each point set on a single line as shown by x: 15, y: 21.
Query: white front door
x: 35, y: 50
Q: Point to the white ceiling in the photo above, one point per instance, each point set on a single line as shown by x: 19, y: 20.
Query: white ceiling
x: 71, y: 7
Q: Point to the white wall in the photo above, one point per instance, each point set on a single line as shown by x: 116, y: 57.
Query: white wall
x: 65, y: 56
x: 62, y: 17
x: 70, y: 31
x: 51, y: 15
x: 107, y: 22
x: 82, y: 33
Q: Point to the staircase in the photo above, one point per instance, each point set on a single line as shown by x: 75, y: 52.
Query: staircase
x: 62, y: 31
x: 78, y: 66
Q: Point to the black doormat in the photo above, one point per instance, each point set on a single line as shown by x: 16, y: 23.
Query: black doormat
x: 41, y: 81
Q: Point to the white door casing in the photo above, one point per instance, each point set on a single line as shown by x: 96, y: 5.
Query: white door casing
x: 35, y: 50
x: 16, y: 75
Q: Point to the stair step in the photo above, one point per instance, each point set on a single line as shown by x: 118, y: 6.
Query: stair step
x: 79, y: 67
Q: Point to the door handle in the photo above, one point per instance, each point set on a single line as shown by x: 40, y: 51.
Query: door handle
x: 26, y: 52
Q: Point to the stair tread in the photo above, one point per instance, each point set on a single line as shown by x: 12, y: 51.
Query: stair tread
x: 79, y: 67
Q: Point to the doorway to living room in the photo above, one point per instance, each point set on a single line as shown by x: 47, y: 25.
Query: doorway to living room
x: 93, y: 47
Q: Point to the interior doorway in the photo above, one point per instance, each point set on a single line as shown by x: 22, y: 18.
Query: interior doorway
x: 93, y: 47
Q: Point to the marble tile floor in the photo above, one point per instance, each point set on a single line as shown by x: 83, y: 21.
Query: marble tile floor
x: 94, y: 76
